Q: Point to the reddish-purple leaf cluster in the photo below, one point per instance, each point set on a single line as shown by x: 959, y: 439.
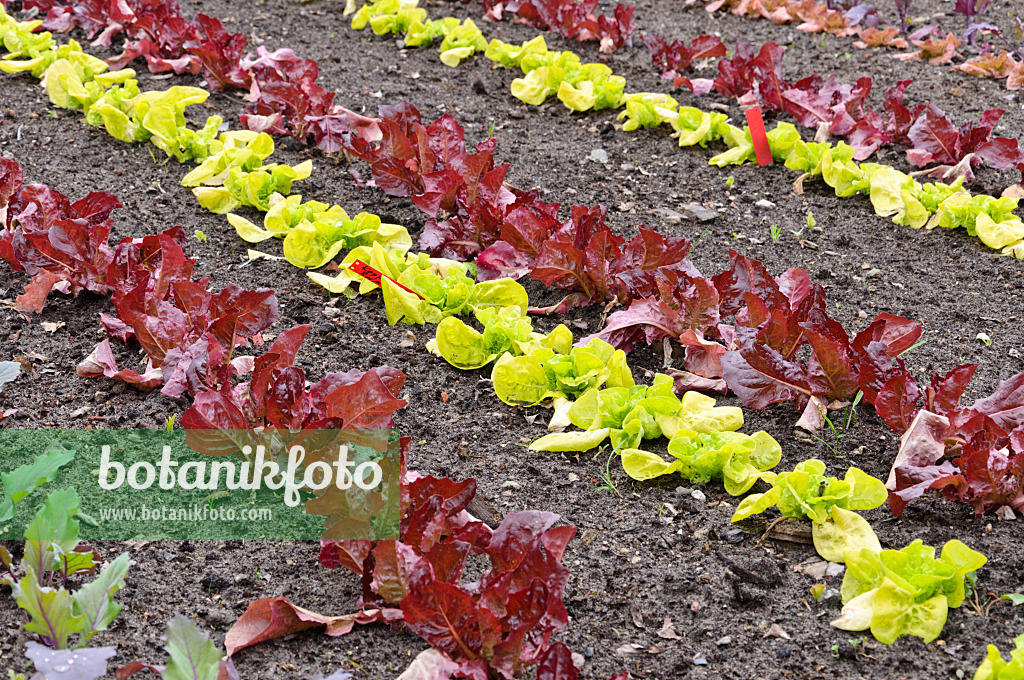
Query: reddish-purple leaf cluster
x: 678, y: 57
x: 826, y: 105
x: 573, y: 19
x: 155, y: 30
x: 782, y: 346
x: 583, y: 255
x: 936, y: 140
x: 282, y: 88
x: 493, y: 627
x: 187, y: 332
x: 286, y: 99
x: 58, y: 243
x: 431, y: 165
x: 972, y: 454
x: 511, y: 232
x: 276, y: 396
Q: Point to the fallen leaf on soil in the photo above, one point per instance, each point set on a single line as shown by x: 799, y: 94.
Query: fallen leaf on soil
x: 51, y: 327
x: 776, y: 631
x: 633, y: 649
x: 668, y: 631
x: 268, y: 619
x: 136, y: 667
x: 1014, y: 191
x: 636, y: 616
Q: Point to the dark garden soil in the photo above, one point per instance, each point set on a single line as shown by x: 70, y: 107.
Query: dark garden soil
x: 633, y: 564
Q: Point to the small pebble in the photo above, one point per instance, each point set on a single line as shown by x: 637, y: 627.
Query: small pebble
x: 724, y: 641
x: 698, y: 495
x: 764, y: 203
x: 734, y: 536
x: 700, y: 661
x: 829, y: 596
x: 683, y: 491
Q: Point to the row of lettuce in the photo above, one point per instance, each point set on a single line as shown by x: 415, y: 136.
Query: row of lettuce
x: 190, y: 336
x: 593, y: 86
x: 591, y: 387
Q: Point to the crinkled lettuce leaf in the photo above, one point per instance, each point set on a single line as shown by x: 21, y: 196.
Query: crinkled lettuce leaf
x: 905, y: 592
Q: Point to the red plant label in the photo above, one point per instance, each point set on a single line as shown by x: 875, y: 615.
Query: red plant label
x: 371, y: 274
x: 758, y: 136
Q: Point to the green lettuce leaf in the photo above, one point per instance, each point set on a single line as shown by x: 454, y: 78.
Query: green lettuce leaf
x: 511, y: 56
x: 806, y: 493
x: 544, y: 374
x: 461, y: 42
x: 904, y: 592
x: 647, y: 109
x: 843, y: 531
x: 193, y: 656
x: 994, y: 667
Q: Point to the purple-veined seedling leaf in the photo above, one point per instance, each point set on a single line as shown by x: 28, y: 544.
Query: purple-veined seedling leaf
x: 193, y: 655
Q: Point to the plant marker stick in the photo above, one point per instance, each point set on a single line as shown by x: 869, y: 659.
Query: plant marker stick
x: 368, y: 272
x: 758, y: 136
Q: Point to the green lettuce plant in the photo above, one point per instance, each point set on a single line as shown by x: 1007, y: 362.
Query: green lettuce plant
x: 905, y: 592
x: 437, y: 287
x: 735, y: 458
x: 157, y: 116
x: 994, y: 667
x: 461, y: 42
x: 239, y: 149
x: 581, y: 87
x: 830, y: 504
x: 702, y: 435
x: 422, y: 33
x: 254, y: 188
x: 626, y: 414
x: 647, y: 109
x: 544, y: 373
x: 314, y: 233
x: 30, y: 51
x: 511, y: 56
x: 78, y: 80
x: 506, y: 330
x: 389, y: 16
x: 631, y: 414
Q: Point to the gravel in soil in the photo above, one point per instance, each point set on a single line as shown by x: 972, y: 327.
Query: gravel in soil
x: 739, y: 608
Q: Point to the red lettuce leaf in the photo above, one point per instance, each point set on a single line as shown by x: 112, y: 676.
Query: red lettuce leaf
x: 675, y: 57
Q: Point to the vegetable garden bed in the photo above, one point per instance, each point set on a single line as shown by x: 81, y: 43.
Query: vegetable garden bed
x: 661, y: 583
